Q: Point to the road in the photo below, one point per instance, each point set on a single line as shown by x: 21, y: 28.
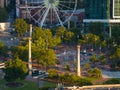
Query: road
x: 8, y: 39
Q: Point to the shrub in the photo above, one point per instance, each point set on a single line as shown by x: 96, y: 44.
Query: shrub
x: 112, y: 81
x: 95, y: 73
x: 83, y: 82
x: 52, y: 73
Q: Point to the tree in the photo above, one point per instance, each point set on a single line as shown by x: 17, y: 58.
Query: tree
x: 60, y: 32
x: 69, y: 36
x: 115, y: 57
x: 95, y: 72
x: 93, y: 58
x: 20, y: 26
x: 87, y: 66
x: 43, y: 38
x: 46, y: 57
x: 102, y: 59
x: 20, y: 51
x: 116, y: 33
x: 15, y: 69
x: 96, y: 28
x: 38, y: 32
x: 52, y: 73
x: 3, y: 14
x: 3, y: 50
x: 91, y: 39
x: 67, y: 67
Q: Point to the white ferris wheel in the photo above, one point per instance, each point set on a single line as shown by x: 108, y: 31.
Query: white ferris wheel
x: 51, y: 12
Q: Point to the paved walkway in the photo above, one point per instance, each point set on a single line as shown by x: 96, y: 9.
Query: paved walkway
x: 110, y: 74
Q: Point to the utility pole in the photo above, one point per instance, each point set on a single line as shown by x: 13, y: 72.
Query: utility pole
x: 29, y: 56
x: 78, y: 61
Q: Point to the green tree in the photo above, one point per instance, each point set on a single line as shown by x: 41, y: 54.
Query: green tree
x: 102, y: 59
x: 38, y: 32
x: 20, y: 51
x: 69, y: 36
x: 60, y: 32
x: 46, y: 57
x: 96, y: 28
x: 67, y: 67
x: 15, y: 69
x: 95, y: 72
x: 43, y: 38
x: 93, y: 58
x: 115, y: 57
x: 87, y: 66
x: 20, y: 26
x: 116, y: 33
x: 52, y: 73
x: 3, y: 50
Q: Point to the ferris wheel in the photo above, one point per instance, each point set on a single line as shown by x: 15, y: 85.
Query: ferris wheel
x: 51, y: 12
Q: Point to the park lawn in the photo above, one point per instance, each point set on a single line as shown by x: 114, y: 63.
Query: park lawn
x: 49, y: 84
x: 27, y: 86
x: 91, y: 79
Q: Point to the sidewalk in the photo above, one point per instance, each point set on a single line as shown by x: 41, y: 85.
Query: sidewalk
x: 110, y: 74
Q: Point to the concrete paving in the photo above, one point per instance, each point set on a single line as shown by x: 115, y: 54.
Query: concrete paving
x: 110, y: 74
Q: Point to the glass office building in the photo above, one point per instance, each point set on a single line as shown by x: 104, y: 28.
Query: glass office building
x: 102, y: 11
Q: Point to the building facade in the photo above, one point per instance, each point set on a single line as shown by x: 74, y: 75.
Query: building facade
x: 106, y: 11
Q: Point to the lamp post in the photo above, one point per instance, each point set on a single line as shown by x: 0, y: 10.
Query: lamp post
x: 78, y: 61
x: 29, y: 55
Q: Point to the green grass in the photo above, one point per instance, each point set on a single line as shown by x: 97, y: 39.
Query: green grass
x: 49, y: 84
x: 28, y: 85
x: 90, y: 79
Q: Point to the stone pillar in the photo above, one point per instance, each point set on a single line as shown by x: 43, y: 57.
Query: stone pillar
x: 78, y: 61
x: 29, y: 56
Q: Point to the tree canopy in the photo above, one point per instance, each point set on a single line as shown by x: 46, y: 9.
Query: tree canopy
x: 15, y: 69
x: 20, y: 26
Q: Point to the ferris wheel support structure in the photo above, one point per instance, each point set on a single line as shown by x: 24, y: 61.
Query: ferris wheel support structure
x: 51, y: 12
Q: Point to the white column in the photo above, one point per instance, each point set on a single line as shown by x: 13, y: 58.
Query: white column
x: 78, y: 61
x: 29, y: 56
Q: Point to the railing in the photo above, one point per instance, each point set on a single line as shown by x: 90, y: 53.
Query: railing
x: 93, y: 87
